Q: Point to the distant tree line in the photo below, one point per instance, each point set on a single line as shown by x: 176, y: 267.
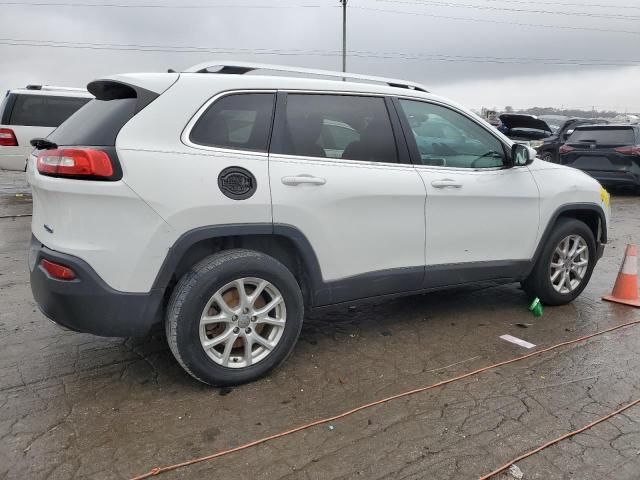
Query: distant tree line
x: 572, y: 112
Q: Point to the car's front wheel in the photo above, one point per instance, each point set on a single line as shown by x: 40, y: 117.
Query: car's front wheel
x: 547, y: 157
x: 565, y: 265
x: 233, y: 317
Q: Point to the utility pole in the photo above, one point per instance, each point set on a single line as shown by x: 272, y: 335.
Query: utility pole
x: 344, y: 37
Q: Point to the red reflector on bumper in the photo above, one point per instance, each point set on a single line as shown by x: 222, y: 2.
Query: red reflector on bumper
x: 56, y: 270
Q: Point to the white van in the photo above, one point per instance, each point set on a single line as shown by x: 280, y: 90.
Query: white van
x: 32, y: 112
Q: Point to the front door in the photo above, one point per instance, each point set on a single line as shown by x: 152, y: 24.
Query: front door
x: 337, y: 175
x: 482, y: 218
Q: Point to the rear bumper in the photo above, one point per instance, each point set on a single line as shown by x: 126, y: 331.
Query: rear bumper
x: 13, y: 162
x: 615, y: 178
x: 87, y: 304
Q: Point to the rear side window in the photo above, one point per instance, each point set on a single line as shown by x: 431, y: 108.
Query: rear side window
x: 604, y: 136
x: 96, y: 124
x: 338, y: 126
x: 239, y: 121
x: 43, y: 111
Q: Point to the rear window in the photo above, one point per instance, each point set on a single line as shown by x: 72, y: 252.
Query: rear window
x: 43, y: 111
x: 605, y: 136
x: 96, y: 124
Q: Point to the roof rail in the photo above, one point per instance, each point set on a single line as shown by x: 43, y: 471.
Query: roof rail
x: 54, y: 88
x: 240, y: 68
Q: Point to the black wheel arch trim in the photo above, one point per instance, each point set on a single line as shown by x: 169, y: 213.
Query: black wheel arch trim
x: 571, y: 207
x: 187, y: 240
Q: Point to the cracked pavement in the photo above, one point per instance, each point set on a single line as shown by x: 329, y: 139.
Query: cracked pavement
x: 75, y: 406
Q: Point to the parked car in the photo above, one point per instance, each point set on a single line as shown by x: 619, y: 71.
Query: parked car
x: 549, y: 151
x: 208, y: 202
x: 34, y: 111
x: 526, y: 129
x: 609, y: 153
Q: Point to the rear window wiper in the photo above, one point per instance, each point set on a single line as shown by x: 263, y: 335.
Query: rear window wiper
x: 43, y: 144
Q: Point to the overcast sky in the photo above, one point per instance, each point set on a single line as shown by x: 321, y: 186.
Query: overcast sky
x: 478, y: 52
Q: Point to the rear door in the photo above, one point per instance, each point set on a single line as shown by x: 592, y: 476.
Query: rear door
x: 481, y: 218
x: 340, y: 176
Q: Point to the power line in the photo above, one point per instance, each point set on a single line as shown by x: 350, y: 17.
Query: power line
x: 501, y: 22
x: 564, y: 4
x: 511, y: 9
x: 318, y: 52
x: 149, y: 5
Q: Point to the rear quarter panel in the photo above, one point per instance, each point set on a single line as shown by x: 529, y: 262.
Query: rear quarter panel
x: 178, y: 181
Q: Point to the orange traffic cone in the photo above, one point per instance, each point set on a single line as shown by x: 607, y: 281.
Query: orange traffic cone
x: 625, y: 290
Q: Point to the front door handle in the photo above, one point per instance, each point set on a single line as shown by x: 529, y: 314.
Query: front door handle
x: 446, y: 183
x: 303, y: 179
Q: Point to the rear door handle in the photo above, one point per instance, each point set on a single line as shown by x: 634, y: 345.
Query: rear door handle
x: 446, y: 183
x: 303, y: 179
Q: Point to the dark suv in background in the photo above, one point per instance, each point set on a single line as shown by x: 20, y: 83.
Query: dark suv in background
x: 609, y: 153
x: 550, y: 148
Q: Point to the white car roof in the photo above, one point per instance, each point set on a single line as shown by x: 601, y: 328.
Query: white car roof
x: 50, y: 90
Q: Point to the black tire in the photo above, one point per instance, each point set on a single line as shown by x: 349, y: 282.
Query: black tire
x: 538, y: 284
x: 547, y: 157
x: 196, y: 288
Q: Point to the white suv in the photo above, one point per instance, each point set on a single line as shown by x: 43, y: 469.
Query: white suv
x: 31, y: 112
x: 225, y: 203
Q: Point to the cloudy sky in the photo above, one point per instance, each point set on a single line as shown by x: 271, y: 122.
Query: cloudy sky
x: 564, y: 53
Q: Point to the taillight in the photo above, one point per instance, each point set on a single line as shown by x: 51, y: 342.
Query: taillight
x: 630, y: 150
x: 75, y: 162
x: 58, y: 271
x: 8, y: 138
x: 566, y: 149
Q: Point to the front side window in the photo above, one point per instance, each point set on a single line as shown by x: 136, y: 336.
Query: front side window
x: 446, y: 138
x: 338, y: 126
x: 240, y: 121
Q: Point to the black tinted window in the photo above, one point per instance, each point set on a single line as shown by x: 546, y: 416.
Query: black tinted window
x: 96, y: 124
x: 606, y: 136
x: 240, y: 121
x: 44, y: 111
x: 335, y: 126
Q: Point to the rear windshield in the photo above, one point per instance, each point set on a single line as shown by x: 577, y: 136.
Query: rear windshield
x: 41, y: 110
x: 96, y: 124
x: 605, y: 136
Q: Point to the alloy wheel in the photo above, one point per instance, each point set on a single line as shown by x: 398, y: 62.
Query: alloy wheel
x: 242, y: 322
x: 569, y: 264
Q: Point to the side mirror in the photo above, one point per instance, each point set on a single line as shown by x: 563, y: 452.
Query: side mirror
x: 567, y: 134
x: 521, y: 155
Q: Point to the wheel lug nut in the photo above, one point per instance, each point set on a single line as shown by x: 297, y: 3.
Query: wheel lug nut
x: 236, y: 330
x: 234, y: 318
x: 254, y: 318
x: 245, y: 310
x: 248, y: 330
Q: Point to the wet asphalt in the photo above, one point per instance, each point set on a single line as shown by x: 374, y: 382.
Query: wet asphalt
x: 78, y: 406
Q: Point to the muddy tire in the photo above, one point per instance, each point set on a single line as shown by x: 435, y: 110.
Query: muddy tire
x: 233, y: 317
x: 565, y: 265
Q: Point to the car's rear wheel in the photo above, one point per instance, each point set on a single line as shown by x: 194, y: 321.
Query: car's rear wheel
x: 235, y: 316
x: 565, y: 265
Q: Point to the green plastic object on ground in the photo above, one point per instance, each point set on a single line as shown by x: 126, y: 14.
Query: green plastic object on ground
x: 536, y: 307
